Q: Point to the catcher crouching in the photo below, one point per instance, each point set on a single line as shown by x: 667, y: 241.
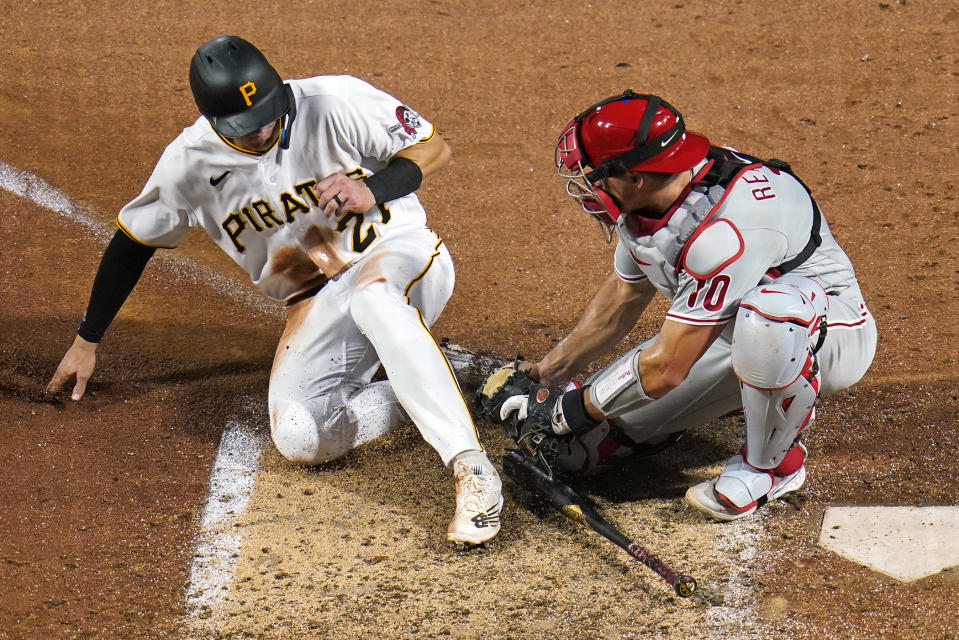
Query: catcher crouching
x: 765, y: 311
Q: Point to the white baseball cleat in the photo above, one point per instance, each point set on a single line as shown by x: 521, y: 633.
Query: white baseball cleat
x: 704, y: 496
x: 479, y: 500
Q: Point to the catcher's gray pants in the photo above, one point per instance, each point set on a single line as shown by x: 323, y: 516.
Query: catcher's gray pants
x: 712, y: 390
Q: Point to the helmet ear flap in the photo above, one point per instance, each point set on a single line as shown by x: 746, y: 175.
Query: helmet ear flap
x: 610, y: 211
x: 572, y: 164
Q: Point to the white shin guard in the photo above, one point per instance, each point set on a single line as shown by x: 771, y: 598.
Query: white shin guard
x: 772, y: 356
x: 776, y: 417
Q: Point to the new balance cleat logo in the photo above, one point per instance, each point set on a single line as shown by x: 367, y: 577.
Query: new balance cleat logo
x: 486, y: 518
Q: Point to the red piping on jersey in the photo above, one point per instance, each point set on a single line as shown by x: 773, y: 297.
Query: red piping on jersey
x: 846, y: 324
x: 688, y: 320
x: 742, y: 249
x: 702, y: 225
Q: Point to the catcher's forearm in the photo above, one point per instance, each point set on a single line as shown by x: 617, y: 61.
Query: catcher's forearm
x: 609, y: 316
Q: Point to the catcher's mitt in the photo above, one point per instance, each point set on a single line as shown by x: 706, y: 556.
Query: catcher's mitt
x: 502, y: 384
x: 524, y: 408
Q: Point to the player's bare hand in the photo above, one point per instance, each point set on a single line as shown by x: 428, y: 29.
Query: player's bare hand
x: 78, y: 362
x: 339, y: 194
x: 543, y: 375
x: 528, y: 367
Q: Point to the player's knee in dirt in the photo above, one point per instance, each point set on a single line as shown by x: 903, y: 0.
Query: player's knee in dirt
x: 297, y: 435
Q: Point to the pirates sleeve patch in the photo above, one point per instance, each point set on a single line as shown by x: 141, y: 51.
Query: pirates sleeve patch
x: 407, y: 120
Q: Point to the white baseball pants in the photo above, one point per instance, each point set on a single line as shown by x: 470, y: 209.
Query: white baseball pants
x: 321, y: 399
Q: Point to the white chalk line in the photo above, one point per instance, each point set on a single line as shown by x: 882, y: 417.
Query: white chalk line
x: 737, y: 544
x: 217, y: 553
x: 41, y: 192
x: 233, y: 478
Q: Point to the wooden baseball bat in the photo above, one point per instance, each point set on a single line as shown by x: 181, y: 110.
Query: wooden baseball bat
x: 526, y: 472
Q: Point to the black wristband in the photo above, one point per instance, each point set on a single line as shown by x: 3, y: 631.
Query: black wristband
x: 574, y: 411
x: 120, y: 269
x: 400, y: 177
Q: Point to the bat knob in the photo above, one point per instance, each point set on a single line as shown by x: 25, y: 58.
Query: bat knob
x: 685, y: 586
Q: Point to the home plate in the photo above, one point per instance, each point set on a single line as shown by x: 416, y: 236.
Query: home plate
x: 906, y: 543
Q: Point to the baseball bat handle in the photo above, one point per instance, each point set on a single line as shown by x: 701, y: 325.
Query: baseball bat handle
x: 683, y: 585
x: 576, y: 507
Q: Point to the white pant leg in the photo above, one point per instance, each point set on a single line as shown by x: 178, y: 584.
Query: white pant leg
x: 321, y: 402
x: 711, y: 390
x: 400, y: 290
x: 850, y: 344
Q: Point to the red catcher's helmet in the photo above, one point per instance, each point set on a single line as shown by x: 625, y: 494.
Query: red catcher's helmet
x: 631, y: 131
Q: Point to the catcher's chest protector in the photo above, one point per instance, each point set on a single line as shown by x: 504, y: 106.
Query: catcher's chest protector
x: 728, y: 165
x: 659, y: 245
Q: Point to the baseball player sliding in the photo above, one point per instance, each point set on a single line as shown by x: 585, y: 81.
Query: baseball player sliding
x: 309, y: 185
x: 765, y: 314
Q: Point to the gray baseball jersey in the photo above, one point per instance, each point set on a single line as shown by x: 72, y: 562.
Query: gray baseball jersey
x: 706, y: 253
x: 718, y: 243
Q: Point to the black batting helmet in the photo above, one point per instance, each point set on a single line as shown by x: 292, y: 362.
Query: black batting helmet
x: 236, y: 88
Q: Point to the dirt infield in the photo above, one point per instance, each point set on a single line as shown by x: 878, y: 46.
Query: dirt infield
x: 102, y: 500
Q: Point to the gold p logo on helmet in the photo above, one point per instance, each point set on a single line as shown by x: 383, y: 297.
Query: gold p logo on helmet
x: 247, y: 91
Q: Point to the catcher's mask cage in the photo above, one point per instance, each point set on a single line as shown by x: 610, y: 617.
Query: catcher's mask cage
x: 627, y: 132
x: 237, y: 89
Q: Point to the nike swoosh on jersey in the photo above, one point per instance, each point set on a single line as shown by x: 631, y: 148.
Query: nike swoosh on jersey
x: 219, y: 179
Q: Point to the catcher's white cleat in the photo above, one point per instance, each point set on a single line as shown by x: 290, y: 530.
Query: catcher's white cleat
x: 479, y: 500
x: 733, y: 500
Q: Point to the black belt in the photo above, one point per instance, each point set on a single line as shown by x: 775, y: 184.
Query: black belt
x: 306, y: 295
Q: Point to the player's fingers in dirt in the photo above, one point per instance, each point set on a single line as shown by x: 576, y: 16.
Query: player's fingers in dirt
x: 80, y: 388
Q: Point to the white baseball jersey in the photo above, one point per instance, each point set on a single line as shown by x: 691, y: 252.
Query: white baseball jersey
x: 705, y: 254
x: 262, y: 210
x: 717, y: 244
